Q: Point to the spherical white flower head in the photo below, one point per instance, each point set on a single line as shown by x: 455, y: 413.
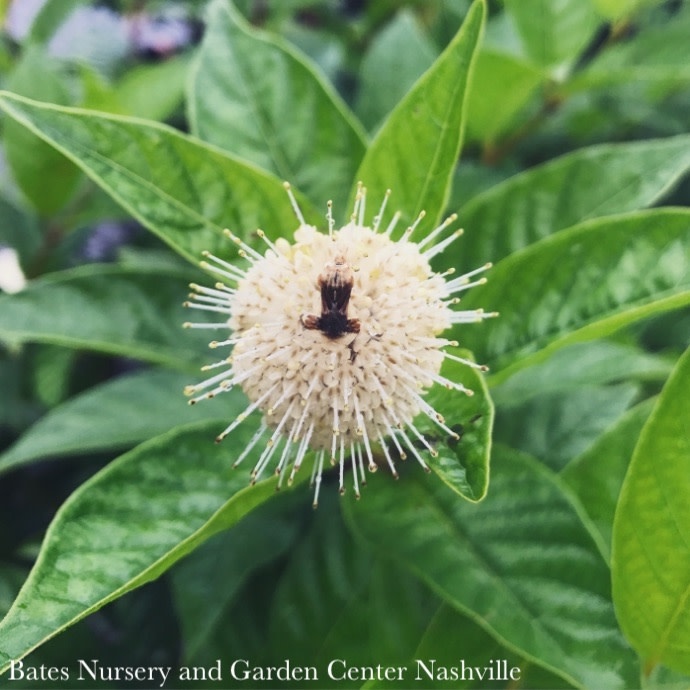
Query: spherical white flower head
x: 336, y: 337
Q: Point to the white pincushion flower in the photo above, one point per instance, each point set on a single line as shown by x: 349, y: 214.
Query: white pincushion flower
x: 336, y: 337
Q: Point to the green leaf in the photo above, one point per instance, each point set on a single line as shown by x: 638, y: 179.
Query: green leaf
x: 255, y: 96
x: 116, y: 414
x: 126, y: 526
x: 554, y: 34
x: 449, y: 632
x: 336, y: 600
x: 52, y: 369
x: 31, y: 160
x: 654, y: 61
x: 505, y: 86
x: 109, y: 309
x: 521, y: 563
x: 556, y: 427
x: 596, y: 476
x: 207, y: 584
x: 616, y: 9
x: 11, y: 579
x: 651, y: 552
x: 415, y: 151
x: 18, y: 230
x: 463, y: 464
x: 153, y: 91
x: 585, y: 184
x: 592, y: 363
x: 396, y: 58
x: 580, y: 284
x: 183, y: 190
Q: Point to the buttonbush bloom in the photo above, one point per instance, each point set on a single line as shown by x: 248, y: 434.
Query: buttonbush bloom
x: 335, y: 338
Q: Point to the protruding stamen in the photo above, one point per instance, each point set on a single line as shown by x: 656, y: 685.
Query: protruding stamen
x: 207, y: 307
x: 379, y: 216
x: 353, y: 460
x: 234, y: 274
x: 341, y: 468
x: 413, y: 450
x: 451, y: 385
x: 301, y: 452
x: 317, y: 481
x: 293, y: 203
x: 329, y: 217
x: 223, y: 363
x: 472, y: 316
x: 393, y: 223
x: 261, y: 234
x: 221, y: 291
x: 408, y: 233
x: 389, y: 460
x: 441, y: 246
x: 391, y: 435
x: 466, y: 362
x: 437, y: 231
x: 425, y: 443
x: 189, y: 324
x: 463, y: 281
x: 358, y: 201
x: 243, y: 415
x: 250, y: 446
x: 249, y: 253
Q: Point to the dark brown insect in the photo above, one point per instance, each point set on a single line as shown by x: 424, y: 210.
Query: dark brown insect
x: 335, y: 285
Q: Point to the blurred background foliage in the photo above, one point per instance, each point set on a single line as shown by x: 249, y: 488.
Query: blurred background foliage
x: 619, y: 71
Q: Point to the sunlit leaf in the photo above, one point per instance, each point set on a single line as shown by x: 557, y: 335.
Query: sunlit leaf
x: 523, y: 549
x: 252, y: 94
x: 597, y: 475
x: 650, y: 553
x: 126, y: 526
x: 586, y: 184
x: 415, y: 151
x: 583, y: 283
x: 182, y: 189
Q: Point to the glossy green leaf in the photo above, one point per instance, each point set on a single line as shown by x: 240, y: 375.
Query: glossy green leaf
x: 415, y: 151
x: 554, y: 32
x: 505, y: 84
x: 117, y: 414
x: 596, y: 476
x: 126, y: 526
x: 592, y: 182
x: 116, y: 310
x: 557, y: 427
x: 651, y: 552
x: 32, y: 161
x: 183, y: 190
x: 252, y: 95
x: 592, y: 280
x: 463, y: 464
x: 521, y: 563
x: 591, y: 363
x: 399, y: 54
